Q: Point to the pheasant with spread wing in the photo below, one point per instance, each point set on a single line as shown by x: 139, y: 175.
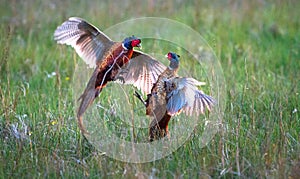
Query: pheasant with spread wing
x: 110, y: 59
x: 172, y: 94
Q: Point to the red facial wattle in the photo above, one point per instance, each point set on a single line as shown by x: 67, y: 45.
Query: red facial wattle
x: 169, y: 56
x: 136, y: 43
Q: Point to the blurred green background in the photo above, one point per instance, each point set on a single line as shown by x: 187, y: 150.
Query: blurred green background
x: 257, y: 43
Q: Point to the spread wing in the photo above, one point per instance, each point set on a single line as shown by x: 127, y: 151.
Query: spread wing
x: 183, y: 94
x: 89, y: 42
x: 142, y: 71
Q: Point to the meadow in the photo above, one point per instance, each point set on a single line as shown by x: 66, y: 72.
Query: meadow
x: 257, y: 44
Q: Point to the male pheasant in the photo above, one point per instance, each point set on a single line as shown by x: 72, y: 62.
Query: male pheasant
x: 110, y: 59
x: 170, y: 95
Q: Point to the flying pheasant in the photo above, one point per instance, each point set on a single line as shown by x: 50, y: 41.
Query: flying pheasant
x: 170, y: 95
x: 110, y: 59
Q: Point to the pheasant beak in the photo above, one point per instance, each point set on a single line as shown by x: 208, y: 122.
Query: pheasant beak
x: 139, y: 46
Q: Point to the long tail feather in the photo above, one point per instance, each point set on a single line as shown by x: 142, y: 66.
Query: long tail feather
x: 159, y: 128
x: 87, y: 98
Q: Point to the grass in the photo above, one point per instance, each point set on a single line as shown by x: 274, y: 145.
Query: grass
x: 258, y: 46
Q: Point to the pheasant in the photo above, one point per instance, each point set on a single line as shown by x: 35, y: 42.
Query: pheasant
x: 110, y: 59
x: 170, y: 95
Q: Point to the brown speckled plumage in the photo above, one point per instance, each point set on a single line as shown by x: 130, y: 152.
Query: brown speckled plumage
x: 170, y: 95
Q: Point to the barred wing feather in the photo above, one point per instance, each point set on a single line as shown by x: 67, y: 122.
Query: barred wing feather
x: 141, y: 71
x: 187, y: 97
x: 89, y: 42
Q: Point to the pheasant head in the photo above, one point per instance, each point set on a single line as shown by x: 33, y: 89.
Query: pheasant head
x: 174, y: 60
x: 131, y: 42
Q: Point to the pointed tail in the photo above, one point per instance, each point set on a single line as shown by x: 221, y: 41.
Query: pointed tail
x: 159, y: 128
x: 87, y: 98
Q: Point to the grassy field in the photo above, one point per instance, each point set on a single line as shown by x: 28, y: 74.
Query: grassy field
x: 257, y: 43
